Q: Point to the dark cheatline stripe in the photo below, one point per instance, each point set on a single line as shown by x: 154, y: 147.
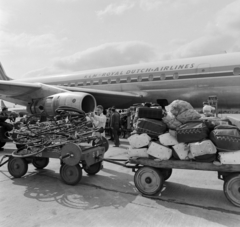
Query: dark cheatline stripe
x: 145, y: 79
x: 195, y: 76
x: 158, y: 78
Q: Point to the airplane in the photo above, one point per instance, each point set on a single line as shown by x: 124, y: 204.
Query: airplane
x: 189, y: 79
x: 21, y: 111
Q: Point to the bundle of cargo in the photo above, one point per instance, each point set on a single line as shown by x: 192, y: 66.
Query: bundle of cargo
x: 183, y: 111
x: 149, y: 120
x: 227, y: 140
x: 170, y: 120
x: 184, y: 135
x: 138, y: 144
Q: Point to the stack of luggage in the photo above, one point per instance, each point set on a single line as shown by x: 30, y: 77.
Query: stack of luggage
x: 182, y: 133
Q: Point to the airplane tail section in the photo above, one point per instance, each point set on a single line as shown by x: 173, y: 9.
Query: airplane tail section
x: 2, y: 104
x: 3, y: 75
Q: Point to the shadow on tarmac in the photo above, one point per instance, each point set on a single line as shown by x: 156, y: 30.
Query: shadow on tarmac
x: 205, y: 203
x: 91, y: 193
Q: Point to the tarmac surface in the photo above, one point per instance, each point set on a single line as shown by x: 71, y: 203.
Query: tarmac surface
x: 40, y: 198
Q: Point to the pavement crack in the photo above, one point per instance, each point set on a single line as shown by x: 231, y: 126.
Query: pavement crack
x: 165, y: 200
x: 194, y: 205
x: 108, y: 189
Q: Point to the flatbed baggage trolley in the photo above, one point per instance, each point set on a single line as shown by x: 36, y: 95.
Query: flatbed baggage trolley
x: 150, y: 174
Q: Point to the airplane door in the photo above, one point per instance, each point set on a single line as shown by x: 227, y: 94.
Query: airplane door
x: 204, y: 68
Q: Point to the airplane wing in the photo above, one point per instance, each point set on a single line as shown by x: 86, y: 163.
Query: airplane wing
x: 23, y: 93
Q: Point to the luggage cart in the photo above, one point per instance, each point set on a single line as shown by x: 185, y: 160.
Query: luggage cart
x: 74, y: 142
x: 150, y: 174
x: 73, y: 158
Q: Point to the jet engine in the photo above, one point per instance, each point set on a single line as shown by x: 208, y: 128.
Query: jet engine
x: 80, y: 100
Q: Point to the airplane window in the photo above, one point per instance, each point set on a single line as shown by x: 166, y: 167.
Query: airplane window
x: 66, y: 84
x: 118, y: 80
x: 175, y: 76
x: 100, y: 81
x: 129, y: 79
x: 150, y: 78
x: 163, y: 76
x: 79, y: 84
x: 236, y: 71
x: 72, y: 85
x: 139, y: 78
x: 84, y: 83
x: 109, y: 81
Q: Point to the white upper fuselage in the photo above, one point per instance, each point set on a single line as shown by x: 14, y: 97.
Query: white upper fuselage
x: 190, y: 79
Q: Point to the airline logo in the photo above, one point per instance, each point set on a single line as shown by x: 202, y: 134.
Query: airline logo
x: 144, y: 70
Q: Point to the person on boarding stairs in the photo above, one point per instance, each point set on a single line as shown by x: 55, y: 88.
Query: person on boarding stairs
x: 115, y: 125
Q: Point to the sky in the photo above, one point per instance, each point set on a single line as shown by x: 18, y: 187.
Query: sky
x: 47, y: 37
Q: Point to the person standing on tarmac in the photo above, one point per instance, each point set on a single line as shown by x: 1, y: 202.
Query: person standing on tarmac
x: 3, y: 117
x: 109, y: 124
x: 207, y: 110
x: 99, y: 119
x: 115, y: 125
x: 43, y: 117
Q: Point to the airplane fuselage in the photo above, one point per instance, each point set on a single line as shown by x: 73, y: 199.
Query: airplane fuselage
x: 191, y: 79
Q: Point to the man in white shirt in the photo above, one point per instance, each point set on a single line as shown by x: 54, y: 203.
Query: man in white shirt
x: 99, y: 119
x: 207, y: 110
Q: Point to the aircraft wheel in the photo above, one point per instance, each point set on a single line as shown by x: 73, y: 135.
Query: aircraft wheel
x: 70, y: 175
x: 17, y: 167
x: 93, y: 169
x: 148, y: 180
x: 40, y: 163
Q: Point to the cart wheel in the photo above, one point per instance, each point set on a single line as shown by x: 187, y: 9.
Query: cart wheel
x: 40, y: 163
x: 103, y: 142
x: 231, y: 189
x: 2, y: 144
x: 17, y: 167
x: 166, y: 173
x: 71, y: 174
x: 148, y: 180
x: 93, y: 169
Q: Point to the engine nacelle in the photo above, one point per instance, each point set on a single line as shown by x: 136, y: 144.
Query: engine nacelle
x: 79, y: 100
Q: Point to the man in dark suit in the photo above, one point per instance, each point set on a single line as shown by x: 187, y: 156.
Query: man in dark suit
x: 115, y: 126
x: 109, y: 124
